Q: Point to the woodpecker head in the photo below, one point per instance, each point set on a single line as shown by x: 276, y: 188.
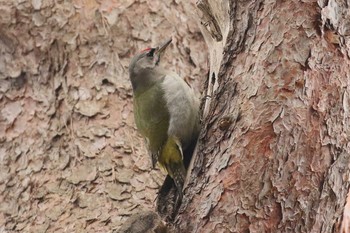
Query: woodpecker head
x: 147, y: 60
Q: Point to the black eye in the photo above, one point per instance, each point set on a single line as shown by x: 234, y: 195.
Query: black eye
x: 151, y: 52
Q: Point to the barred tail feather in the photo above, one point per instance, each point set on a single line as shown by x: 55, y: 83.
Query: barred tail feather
x: 177, y: 171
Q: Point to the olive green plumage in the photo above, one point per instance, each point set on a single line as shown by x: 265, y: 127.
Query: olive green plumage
x: 166, y: 112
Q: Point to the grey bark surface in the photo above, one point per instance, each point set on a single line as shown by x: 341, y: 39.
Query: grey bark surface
x: 273, y: 154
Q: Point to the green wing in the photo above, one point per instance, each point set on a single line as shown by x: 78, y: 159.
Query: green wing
x: 152, y: 118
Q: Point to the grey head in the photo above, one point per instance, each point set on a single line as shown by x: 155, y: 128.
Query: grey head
x: 144, y: 66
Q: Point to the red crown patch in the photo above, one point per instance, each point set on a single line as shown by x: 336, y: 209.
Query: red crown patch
x: 145, y: 50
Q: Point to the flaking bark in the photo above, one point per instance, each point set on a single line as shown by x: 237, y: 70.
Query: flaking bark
x: 274, y: 150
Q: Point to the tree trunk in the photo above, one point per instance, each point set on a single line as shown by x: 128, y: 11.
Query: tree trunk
x: 70, y: 157
x: 273, y: 154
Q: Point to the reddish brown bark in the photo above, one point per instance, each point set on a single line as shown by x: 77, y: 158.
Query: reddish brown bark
x: 70, y: 157
x: 274, y: 150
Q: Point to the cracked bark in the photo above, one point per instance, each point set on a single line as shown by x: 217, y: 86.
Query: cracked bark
x: 71, y: 159
x: 273, y: 153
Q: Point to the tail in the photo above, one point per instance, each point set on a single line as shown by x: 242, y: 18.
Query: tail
x: 171, y: 158
x: 177, y: 172
x: 166, y: 200
x: 170, y: 194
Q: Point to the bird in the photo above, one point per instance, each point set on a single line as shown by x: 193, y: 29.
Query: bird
x: 166, y: 112
x: 144, y: 222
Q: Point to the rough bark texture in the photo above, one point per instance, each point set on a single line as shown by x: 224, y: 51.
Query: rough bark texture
x: 274, y: 149
x: 70, y: 158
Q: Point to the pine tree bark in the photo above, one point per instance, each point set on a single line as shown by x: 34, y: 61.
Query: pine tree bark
x: 273, y: 154
x: 71, y: 159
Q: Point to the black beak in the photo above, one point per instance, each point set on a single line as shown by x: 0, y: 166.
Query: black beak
x: 161, y: 48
